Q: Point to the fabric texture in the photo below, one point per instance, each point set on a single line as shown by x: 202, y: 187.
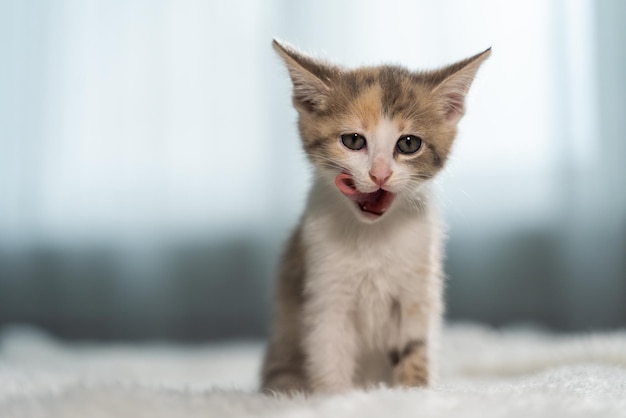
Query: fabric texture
x: 484, y: 373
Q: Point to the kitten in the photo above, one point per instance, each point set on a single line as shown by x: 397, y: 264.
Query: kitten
x: 359, y: 294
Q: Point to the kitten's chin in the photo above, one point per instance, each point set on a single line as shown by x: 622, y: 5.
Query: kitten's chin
x: 369, y: 207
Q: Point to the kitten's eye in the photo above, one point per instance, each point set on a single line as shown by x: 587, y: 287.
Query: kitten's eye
x: 409, y: 144
x: 353, y: 141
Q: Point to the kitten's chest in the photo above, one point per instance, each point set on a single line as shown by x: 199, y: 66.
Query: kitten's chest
x: 369, y: 271
x: 385, y: 256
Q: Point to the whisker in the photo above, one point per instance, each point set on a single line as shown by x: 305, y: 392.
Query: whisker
x: 321, y: 159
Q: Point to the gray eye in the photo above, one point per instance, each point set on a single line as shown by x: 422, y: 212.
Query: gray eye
x: 408, y: 144
x: 353, y: 141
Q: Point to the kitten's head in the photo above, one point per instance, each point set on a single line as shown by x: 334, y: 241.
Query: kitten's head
x: 378, y: 133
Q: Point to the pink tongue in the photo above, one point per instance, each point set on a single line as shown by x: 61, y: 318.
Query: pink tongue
x: 345, y: 184
x: 377, y: 202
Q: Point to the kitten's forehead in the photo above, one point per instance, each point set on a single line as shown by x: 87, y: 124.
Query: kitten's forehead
x: 383, y: 92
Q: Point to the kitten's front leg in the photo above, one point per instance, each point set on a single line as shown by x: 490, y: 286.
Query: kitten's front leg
x: 411, y: 364
x: 412, y: 360
x: 330, y: 345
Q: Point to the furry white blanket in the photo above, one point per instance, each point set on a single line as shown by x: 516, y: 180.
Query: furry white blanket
x: 485, y: 373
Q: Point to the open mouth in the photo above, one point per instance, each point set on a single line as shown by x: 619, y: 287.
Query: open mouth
x: 375, y: 203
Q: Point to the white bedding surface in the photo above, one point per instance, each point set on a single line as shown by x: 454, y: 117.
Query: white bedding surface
x: 485, y: 373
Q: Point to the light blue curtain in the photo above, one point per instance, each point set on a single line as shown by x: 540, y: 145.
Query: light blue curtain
x: 134, y: 118
x: 142, y: 129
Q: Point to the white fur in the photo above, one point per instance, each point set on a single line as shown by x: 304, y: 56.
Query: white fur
x: 356, y: 270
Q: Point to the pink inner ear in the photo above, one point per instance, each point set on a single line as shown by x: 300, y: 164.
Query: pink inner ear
x: 454, y: 106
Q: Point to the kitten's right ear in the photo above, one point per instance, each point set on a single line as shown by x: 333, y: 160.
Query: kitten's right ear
x: 311, y: 78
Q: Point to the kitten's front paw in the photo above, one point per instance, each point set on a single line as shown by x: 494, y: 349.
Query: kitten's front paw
x: 411, y: 365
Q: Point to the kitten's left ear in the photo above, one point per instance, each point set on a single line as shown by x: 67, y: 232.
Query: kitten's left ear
x: 453, y: 82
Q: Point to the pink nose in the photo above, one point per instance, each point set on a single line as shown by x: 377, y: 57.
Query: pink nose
x: 380, y: 177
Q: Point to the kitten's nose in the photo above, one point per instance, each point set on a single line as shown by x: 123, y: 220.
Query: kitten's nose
x: 380, y: 176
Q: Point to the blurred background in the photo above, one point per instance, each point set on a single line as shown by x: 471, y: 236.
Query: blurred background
x: 150, y: 167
